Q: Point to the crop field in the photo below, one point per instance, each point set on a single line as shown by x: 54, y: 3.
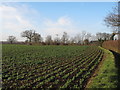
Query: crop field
x: 26, y: 66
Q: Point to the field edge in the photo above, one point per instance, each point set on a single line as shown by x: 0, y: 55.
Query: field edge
x: 106, y: 74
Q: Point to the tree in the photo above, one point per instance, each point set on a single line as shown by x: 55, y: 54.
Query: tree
x: 11, y: 39
x: 93, y: 38
x: 36, y: 37
x: 29, y: 34
x: 86, y: 41
x: 48, y: 39
x: 103, y: 36
x: 57, y: 40
x: 72, y: 40
x: 113, y: 20
x: 83, y: 34
x: 106, y: 36
x: 64, y: 38
x: 78, y: 39
x: 87, y: 36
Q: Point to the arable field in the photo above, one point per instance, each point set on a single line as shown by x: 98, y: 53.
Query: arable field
x: 25, y: 66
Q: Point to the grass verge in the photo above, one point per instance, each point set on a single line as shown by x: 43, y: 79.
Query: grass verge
x: 106, y: 74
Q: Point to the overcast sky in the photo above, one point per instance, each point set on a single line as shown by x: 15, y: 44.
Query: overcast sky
x: 50, y: 18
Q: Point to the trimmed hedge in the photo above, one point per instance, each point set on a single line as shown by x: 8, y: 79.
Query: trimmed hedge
x: 112, y: 45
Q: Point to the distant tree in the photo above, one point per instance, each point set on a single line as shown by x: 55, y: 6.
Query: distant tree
x: 36, y: 37
x: 57, y: 40
x: 78, y: 39
x: 93, y: 38
x: 83, y: 34
x: 98, y: 35
x: 72, y: 40
x: 106, y: 36
x: 48, y: 40
x: 64, y: 38
x: 86, y: 41
x: 28, y: 34
x: 103, y: 36
x: 11, y: 39
x: 87, y: 36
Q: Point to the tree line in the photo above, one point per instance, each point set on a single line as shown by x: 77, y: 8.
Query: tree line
x: 82, y: 38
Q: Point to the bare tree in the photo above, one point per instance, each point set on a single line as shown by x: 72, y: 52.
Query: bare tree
x: 83, y: 34
x: 113, y: 20
x: 87, y: 36
x: 72, y: 40
x: 103, y: 36
x: 106, y: 36
x: 93, y: 38
x: 48, y: 39
x: 11, y: 39
x: 57, y: 40
x: 28, y: 34
x: 99, y: 35
x: 64, y: 38
x: 36, y: 37
x: 78, y: 39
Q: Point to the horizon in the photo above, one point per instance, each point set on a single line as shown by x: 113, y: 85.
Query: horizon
x: 51, y: 18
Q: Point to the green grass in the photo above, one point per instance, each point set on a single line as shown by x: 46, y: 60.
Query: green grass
x: 107, y: 75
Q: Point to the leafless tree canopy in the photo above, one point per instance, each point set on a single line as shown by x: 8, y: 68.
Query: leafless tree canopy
x: 103, y: 36
x: 28, y: 34
x: 113, y: 19
x: 57, y: 40
x: 64, y: 38
x: 80, y: 39
x: 11, y: 39
x: 36, y: 37
x: 48, y: 40
x: 32, y: 36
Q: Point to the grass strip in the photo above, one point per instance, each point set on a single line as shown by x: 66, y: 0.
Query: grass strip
x: 106, y: 74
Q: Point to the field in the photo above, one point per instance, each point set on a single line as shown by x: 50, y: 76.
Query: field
x: 107, y: 75
x: 25, y: 66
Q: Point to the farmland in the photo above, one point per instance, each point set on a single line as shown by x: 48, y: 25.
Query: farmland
x: 26, y: 66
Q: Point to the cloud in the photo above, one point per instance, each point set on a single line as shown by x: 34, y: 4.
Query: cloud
x: 64, y: 21
x: 62, y: 24
x: 14, y: 20
x: 18, y: 17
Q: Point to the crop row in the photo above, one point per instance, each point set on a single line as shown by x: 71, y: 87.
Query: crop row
x: 51, y: 72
